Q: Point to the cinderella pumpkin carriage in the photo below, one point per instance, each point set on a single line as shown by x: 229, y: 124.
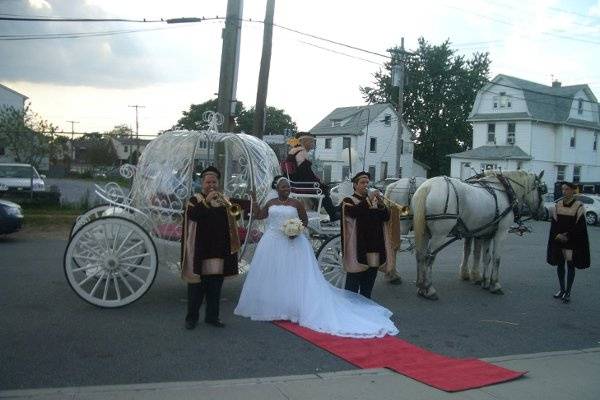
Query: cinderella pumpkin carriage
x: 115, y: 249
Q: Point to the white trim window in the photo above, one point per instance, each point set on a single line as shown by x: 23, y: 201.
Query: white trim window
x: 372, y: 171
x: 580, y: 106
x: 373, y: 145
x: 572, y: 139
x: 327, y: 144
x: 576, y: 173
x: 491, y: 136
x: 510, y: 133
x: 561, y: 172
x: 502, y: 101
x: 336, y: 122
x: 595, y: 147
x: 387, y: 120
x: 346, y: 142
x: 489, y: 166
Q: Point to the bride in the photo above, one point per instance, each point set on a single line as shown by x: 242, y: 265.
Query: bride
x: 285, y: 283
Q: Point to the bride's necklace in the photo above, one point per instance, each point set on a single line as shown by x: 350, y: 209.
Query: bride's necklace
x: 284, y: 202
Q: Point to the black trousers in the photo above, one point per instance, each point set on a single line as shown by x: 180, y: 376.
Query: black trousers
x: 209, y: 288
x: 361, y: 282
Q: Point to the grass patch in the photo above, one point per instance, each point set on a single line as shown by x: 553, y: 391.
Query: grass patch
x: 50, y: 217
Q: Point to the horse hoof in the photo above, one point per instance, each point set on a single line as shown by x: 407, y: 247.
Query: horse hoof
x: 477, y: 282
x: 497, y: 291
x: 395, y: 281
x: 433, y: 296
x: 464, y: 277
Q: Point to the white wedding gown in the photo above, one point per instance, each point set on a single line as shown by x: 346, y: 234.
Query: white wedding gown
x: 285, y: 283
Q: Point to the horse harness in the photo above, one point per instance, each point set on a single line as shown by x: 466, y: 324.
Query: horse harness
x: 460, y: 230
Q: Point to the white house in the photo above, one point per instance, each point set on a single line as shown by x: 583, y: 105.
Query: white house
x: 10, y: 98
x: 124, y: 147
x: 370, y: 132
x: 518, y: 124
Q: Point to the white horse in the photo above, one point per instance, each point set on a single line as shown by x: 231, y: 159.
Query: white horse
x: 481, y: 209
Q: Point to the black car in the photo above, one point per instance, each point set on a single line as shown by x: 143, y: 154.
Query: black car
x: 11, y: 217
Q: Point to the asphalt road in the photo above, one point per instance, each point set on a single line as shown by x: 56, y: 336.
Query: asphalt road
x: 51, y: 338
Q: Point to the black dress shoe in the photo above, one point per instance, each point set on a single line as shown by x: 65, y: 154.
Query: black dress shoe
x: 566, y: 297
x: 559, y: 294
x: 216, y: 323
x: 190, y: 324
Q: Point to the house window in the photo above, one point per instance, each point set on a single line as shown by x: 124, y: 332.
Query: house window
x: 373, y: 145
x: 387, y: 120
x: 202, y: 144
x: 326, y: 173
x: 126, y: 149
x: 336, y: 123
x: 372, y: 171
x: 2, y: 151
x: 383, y: 170
x: 595, y: 141
x: 503, y: 101
x: 345, y: 172
x: 510, y: 134
x: 560, y: 172
x: 488, y: 166
x: 345, y: 143
x: 580, y: 106
x: 401, y: 146
x: 400, y: 172
x: 327, y: 143
x: 576, y: 173
x: 492, y: 133
x: 572, y: 140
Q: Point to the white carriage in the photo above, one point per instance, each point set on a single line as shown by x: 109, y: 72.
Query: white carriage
x: 115, y: 249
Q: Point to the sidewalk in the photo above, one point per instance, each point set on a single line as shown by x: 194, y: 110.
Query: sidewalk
x: 565, y: 375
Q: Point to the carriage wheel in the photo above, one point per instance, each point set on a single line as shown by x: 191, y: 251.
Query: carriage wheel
x: 110, y: 262
x: 329, y: 258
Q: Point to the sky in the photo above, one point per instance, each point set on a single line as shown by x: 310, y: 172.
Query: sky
x: 165, y: 68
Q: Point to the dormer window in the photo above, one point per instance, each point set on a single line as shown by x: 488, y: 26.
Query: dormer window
x: 502, y: 101
x: 387, y: 120
x: 336, y: 122
x: 580, y: 106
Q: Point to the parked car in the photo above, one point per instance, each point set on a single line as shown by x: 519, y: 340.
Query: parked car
x: 16, y: 177
x: 11, y: 217
x: 591, y: 203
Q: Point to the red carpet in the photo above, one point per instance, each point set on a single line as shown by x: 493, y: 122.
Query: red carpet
x: 445, y: 373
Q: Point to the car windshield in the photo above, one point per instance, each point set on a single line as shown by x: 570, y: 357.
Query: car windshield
x: 17, y: 171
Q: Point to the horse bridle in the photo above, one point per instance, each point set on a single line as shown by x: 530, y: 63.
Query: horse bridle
x: 538, y: 185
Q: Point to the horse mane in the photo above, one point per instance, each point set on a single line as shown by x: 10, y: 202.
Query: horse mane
x: 519, y: 176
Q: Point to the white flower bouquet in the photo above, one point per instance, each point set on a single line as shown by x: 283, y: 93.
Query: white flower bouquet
x: 292, y: 227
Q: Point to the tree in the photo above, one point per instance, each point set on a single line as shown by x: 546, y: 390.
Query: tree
x: 438, y: 96
x: 192, y: 119
x: 276, y: 121
x: 97, y: 150
x: 120, y: 132
x: 26, y: 135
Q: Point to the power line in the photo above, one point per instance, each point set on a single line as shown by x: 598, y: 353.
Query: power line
x: 76, y: 35
x: 60, y: 19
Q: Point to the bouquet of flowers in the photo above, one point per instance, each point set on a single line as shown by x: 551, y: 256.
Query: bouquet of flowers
x: 292, y: 227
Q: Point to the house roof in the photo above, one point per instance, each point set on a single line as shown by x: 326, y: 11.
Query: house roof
x: 422, y: 164
x: 13, y: 91
x: 494, y: 153
x: 354, y: 119
x: 545, y: 103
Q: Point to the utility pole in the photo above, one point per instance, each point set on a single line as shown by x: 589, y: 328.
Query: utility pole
x: 263, y: 75
x: 72, y: 138
x: 399, y: 60
x: 137, y: 130
x: 230, y: 56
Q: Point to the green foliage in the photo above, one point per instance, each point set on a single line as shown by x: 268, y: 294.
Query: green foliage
x: 120, y: 132
x: 438, y: 96
x: 96, y: 150
x: 276, y: 121
x: 24, y: 133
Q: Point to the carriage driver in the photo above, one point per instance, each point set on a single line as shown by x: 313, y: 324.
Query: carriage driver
x: 366, y: 237
x: 210, y: 244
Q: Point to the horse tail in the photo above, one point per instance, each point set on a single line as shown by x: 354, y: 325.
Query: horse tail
x: 419, y: 221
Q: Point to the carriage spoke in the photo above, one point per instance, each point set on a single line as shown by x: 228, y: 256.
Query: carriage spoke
x: 134, y: 276
x: 131, y: 248
x: 97, y: 284
x: 106, y: 237
x: 136, y: 266
x: 134, y: 256
x: 92, y: 250
x: 106, y: 288
x: 116, y: 236
x: 124, y: 241
x: 89, y: 266
x: 127, y: 285
x: 117, y: 287
x: 89, y: 277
